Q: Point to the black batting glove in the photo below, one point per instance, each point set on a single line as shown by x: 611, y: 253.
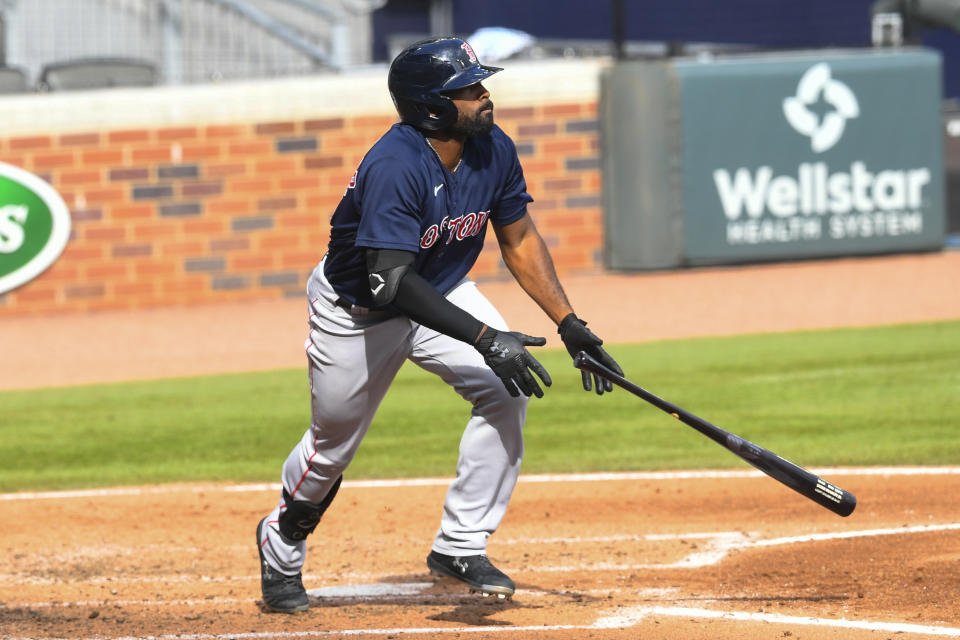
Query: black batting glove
x: 576, y: 338
x: 505, y: 352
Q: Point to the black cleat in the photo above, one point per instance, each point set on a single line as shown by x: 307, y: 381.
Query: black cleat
x: 477, y: 571
x: 281, y: 593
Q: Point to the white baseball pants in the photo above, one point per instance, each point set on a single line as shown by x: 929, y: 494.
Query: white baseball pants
x: 353, y: 359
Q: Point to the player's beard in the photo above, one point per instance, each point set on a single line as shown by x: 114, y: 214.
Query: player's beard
x: 480, y: 124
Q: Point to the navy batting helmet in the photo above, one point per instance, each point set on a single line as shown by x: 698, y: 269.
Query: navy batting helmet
x: 421, y: 73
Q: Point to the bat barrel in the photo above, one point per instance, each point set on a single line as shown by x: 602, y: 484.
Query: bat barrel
x: 834, y: 498
x: 807, y: 484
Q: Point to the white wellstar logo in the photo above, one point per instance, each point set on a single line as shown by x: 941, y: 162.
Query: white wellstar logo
x: 821, y: 200
x: 824, y: 132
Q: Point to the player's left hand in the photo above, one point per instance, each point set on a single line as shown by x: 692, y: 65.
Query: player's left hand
x: 506, y: 353
x: 576, y: 337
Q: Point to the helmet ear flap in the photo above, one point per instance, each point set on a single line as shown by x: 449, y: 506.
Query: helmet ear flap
x: 431, y: 114
x: 435, y: 118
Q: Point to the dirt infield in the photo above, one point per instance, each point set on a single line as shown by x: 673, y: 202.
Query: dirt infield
x: 644, y: 556
x: 649, y: 555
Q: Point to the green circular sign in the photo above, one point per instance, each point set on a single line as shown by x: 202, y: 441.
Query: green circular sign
x: 34, y: 226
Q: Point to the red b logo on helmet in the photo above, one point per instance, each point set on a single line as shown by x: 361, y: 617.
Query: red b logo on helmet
x: 470, y: 54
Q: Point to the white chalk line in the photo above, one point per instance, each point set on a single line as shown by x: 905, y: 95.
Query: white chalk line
x: 373, y: 592
x: 699, y: 535
x: 715, y: 550
x: 443, y: 482
x: 380, y: 592
x: 631, y: 617
x: 728, y: 540
x: 718, y: 545
x: 425, y: 631
x: 723, y: 542
x: 621, y: 619
x: 842, y: 535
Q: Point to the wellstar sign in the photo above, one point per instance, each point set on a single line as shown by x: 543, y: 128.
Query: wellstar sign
x: 819, y: 201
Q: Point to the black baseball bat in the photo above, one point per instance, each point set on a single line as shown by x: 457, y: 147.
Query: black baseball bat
x: 797, y: 478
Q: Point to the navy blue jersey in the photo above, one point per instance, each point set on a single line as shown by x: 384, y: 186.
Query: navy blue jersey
x: 403, y: 197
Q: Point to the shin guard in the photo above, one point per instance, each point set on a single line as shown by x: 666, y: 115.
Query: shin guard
x: 299, y: 518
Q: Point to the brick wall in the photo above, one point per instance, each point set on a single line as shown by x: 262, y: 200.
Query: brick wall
x: 198, y: 212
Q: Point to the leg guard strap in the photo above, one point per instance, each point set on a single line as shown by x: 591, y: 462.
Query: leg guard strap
x: 300, y: 518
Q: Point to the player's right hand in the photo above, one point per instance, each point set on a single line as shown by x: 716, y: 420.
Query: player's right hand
x: 505, y: 352
x: 576, y: 337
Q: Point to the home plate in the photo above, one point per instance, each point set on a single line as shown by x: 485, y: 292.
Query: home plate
x: 377, y: 590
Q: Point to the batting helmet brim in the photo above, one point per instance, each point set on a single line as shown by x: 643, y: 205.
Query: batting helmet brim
x: 469, y: 76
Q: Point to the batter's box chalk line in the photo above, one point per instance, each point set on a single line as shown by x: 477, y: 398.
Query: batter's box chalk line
x: 629, y: 617
x: 718, y: 545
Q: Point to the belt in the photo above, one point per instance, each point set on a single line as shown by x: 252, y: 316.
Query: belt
x: 343, y: 303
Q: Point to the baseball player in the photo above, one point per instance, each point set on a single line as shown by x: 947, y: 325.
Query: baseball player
x: 393, y: 286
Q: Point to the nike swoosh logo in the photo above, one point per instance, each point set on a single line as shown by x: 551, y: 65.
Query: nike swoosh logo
x: 436, y: 189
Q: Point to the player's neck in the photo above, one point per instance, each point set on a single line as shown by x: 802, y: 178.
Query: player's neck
x: 448, y: 149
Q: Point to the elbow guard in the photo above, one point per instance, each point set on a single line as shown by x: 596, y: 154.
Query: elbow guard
x: 385, y: 268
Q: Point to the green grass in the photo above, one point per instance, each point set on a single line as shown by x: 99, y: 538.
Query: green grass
x: 886, y: 395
